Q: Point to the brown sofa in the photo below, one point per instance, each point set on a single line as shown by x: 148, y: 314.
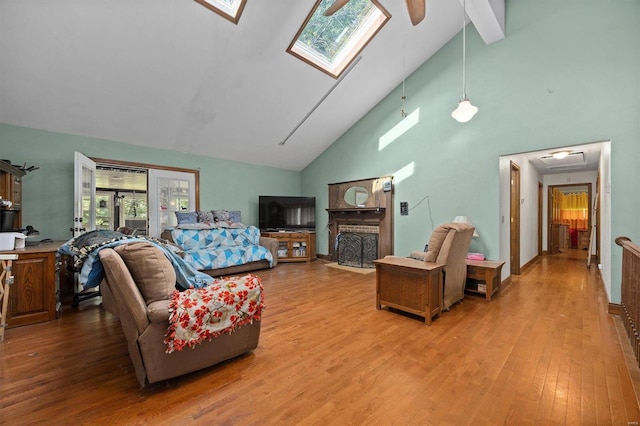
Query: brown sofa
x: 137, y: 286
x: 449, y: 244
x: 270, y: 244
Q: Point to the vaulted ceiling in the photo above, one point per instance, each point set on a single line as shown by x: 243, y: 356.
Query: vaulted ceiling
x: 172, y: 74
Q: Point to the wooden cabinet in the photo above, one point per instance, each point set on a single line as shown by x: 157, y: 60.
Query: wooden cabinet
x: 32, y: 296
x: 294, y: 246
x: 11, y: 189
x: 583, y: 239
x: 559, y: 238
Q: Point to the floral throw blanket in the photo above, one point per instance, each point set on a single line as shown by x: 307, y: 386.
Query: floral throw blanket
x: 204, y: 313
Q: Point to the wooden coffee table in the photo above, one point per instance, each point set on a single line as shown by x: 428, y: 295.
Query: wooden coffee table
x: 409, y: 285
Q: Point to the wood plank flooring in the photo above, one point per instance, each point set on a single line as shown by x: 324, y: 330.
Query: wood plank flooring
x: 545, y: 351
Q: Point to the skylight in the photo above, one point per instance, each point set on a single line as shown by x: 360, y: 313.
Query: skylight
x: 230, y: 9
x: 331, y: 43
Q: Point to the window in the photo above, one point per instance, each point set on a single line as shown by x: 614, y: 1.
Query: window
x: 331, y: 43
x: 230, y: 9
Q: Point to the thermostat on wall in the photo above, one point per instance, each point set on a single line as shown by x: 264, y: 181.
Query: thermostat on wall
x: 386, y: 186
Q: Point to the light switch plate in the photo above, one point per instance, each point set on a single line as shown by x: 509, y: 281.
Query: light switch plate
x: 404, y: 208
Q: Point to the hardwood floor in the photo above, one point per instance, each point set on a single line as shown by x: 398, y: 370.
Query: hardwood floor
x: 545, y: 351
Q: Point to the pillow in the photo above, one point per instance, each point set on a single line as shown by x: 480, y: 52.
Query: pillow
x: 151, y: 270
x: 234, y: 216
x: 186, y: 217
x: 205, y: 216
x: 220, y: 215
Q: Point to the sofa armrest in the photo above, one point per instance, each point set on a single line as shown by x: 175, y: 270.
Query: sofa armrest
x: 158, y: 311
x: 271, y: 244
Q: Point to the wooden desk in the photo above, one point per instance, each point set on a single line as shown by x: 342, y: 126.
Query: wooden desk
x: 487, y: 271
x: 409, y: 285
x: 33, y: 293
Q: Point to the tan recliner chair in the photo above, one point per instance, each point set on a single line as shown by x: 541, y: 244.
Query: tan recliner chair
x: 449, y: 244
x: 142, y: 305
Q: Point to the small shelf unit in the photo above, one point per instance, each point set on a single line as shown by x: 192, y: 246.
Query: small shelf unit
x: 294, y: 246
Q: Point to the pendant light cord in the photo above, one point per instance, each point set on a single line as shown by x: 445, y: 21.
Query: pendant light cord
x: 464, y: 50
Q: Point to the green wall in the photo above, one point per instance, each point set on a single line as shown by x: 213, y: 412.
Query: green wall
x: 567, y: 73
x: 48, y: 192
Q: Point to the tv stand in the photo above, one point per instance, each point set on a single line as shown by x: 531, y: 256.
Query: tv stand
x: 294, y: 246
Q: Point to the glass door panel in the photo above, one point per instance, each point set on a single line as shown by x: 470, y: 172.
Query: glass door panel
x: 169, y: 192
x: 84, y: 194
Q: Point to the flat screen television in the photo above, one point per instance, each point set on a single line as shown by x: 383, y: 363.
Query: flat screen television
x: 286, y: 213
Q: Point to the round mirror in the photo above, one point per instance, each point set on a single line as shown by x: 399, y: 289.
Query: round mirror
x: 356, y: 196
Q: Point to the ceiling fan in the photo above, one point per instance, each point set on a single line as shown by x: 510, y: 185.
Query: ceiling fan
x: 416, y: 8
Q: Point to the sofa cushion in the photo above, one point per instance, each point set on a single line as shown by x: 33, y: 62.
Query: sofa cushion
x: 151, y: 270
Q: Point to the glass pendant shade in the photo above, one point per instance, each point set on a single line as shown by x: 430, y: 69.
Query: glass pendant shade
x: 465, y: 111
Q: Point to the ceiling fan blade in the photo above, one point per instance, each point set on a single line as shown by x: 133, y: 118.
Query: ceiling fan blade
x: 336, y: 6
x: 417, y: 10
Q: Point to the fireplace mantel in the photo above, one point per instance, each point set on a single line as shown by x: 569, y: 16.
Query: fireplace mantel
x: 363, y: 210
x: 377, y: 210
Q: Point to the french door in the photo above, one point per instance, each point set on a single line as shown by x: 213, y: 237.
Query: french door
x: 84, y: 194
x: 169, y: 192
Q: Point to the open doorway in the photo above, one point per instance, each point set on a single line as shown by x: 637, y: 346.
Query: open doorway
x: 110, y: 194
x: 121, y: 198
x: 587, y: 163
x: 569, y: 217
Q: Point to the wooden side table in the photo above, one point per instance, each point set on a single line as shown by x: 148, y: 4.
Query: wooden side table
x: 488, y: 271
x: 409, y: 285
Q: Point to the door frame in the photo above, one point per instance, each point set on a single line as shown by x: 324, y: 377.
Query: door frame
x: 540, y: 216
x: 83, y: 165
x: 514, y: 222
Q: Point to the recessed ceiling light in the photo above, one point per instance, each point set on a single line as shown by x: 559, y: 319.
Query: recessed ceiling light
x: 559, y: 155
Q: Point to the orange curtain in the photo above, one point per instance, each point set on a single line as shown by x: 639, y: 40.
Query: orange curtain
x: 571, y: 209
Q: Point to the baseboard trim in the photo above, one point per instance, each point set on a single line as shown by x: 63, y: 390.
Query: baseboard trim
x: 324, y: 257
x: 529, y: 263
x: 614, y: 309
x: 506, y: 283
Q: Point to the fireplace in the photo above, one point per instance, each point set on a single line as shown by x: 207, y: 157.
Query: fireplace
x: 361, y: 207
x: 357, y: 249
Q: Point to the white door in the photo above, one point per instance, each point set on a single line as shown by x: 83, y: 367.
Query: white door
x: 169, y: 192
x: 84, y: 195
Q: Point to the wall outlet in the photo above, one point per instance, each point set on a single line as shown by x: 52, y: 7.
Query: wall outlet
x: 404, y: 208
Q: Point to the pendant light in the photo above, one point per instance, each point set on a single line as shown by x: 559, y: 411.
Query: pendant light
x: 465, y: 110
